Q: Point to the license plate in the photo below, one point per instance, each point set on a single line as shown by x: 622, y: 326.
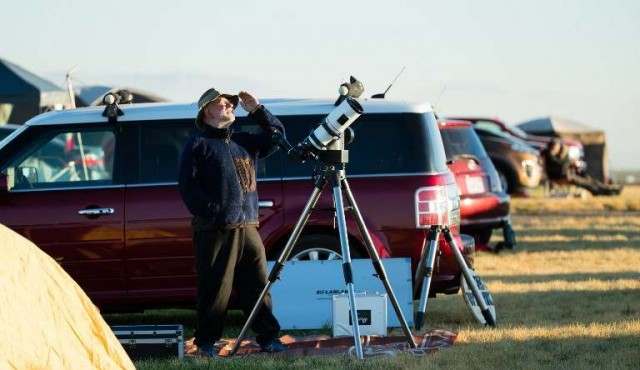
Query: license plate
x: 475, y: 185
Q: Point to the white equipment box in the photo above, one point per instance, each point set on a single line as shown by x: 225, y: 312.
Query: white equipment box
x: 372, y: 314
x: 303, y: 297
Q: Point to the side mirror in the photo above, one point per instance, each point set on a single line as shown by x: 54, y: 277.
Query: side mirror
x: 18, y: 178
x: 25, y: 178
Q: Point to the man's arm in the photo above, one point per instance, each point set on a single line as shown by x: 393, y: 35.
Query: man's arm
x: 263, y: 143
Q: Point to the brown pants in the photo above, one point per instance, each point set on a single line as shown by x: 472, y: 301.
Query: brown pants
x: 227, y: 259
x: 593, y: 185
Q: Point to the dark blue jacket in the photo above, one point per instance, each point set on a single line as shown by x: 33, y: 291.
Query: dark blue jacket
x: 217, y: 177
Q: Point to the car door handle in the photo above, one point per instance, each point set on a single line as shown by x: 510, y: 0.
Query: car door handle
x: 265, y: 204
x: 96, y: 211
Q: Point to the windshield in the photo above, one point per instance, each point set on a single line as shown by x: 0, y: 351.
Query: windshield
x: 461, y: 140
x: 518, y: 131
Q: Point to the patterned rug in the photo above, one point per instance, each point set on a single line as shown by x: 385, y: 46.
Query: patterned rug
x: 324, y: 345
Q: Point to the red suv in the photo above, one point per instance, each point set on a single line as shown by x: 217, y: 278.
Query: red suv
x: 484, y: 205
x: 100, y: 195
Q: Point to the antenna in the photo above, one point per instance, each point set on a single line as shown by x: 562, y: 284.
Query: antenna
x: 438, y: 99
x: 381, y: 96
x: 70, y: 88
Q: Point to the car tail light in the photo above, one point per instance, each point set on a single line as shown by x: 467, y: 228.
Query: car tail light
x: 437, y: 205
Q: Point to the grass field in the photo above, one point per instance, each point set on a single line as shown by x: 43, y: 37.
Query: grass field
x: 567, y: 297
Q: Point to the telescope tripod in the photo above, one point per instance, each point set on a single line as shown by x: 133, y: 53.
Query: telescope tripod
x: 425, y: 272
x: 334, y: 173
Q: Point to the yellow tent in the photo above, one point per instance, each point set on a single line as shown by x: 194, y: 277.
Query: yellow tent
x: 47, y: 321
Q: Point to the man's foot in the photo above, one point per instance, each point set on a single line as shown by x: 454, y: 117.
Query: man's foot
x: 275, y: 345
x: 207, y: 349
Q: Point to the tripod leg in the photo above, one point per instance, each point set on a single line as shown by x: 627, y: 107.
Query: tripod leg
x: 422, y: 262
x: 277, y: 267
x: 377, y: 263
x: 427, y: 261
x: 469, y: 278
x: 346, y: 262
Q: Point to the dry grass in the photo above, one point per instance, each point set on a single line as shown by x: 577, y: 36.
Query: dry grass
x: 628, y: 200
x: 568, y: 297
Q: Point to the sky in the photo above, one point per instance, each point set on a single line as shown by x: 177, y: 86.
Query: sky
x: 514, y: 60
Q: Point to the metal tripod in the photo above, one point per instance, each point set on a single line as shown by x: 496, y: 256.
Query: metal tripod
x: 333, y: 171
x: 424, y: 272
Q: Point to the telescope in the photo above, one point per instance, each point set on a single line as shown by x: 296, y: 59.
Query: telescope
x: 333, y: 126
x: 326, y: 144
x: 330, y: 133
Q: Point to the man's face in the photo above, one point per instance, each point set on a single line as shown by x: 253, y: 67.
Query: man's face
x: 219, y: 113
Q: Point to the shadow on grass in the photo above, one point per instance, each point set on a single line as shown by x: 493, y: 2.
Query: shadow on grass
x: 569, y: 278
x: 578, y: 235
x: 618, y: 352
x: 400, y: 362
x: 580, y: 352
x: 545, y: 308
x: 566, y: 307
x: 571, y: 245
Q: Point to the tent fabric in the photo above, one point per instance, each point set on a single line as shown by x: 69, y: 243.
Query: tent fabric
x: 593, y: 140
x: 47, y: 321
x: 27, y: 93
x: 86, y: 95
x: 91, y: 96
x: 29, y: 79
x: 560, y: 127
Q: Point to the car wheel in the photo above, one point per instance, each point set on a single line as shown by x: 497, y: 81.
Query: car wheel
x: 507, y: 180
x: 318, y: 248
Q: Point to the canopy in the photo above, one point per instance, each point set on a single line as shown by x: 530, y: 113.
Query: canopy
x: 47, y: 321
x: 593, y: 140
x: 24, y: 95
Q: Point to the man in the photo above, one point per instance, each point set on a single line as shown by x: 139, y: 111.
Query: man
x: 217, y: 181
x: 556, y: 160
x: 559, y: 168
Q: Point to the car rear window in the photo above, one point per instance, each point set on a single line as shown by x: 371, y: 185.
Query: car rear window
x: 462, y: 140
x: 383, y: 144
